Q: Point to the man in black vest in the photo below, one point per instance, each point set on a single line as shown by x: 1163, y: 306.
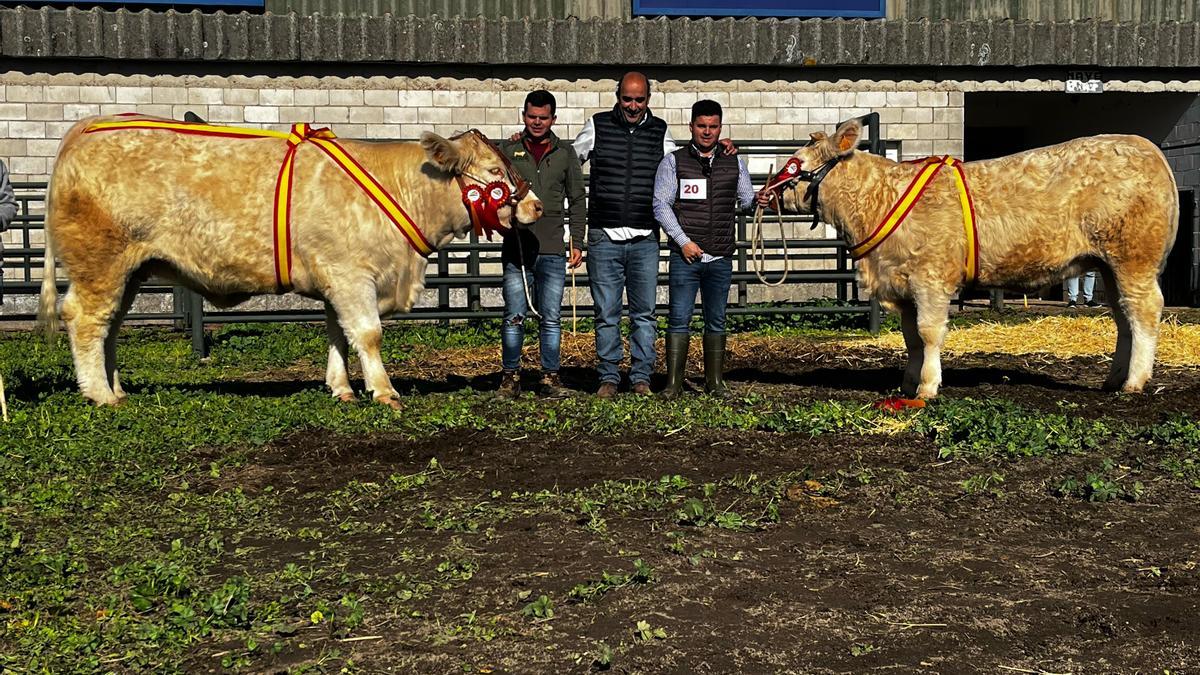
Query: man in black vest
x: 624, y: 145
x: 698, y: 192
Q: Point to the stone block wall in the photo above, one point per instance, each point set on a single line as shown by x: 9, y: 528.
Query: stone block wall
x: 36, y: 110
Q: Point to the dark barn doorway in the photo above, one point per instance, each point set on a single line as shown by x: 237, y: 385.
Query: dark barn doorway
x: 1179, y: 281
x: 1002, y: 123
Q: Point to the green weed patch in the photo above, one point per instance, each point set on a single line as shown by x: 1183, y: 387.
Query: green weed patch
x: 125, y: 533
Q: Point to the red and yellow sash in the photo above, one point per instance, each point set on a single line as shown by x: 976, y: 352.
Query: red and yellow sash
x: 908, y: 199
x: 323, y: 139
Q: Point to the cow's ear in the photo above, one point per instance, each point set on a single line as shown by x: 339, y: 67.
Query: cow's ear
x: 845, y: 139
x: 443, y: 153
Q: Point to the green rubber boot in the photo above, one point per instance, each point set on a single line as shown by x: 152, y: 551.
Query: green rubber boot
x: 714, y: 365
x: 677, y: 352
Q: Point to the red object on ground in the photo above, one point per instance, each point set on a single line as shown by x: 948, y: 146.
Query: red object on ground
x: 896, y: 404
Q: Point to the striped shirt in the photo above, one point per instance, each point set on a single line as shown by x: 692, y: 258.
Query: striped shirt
x: 666, y: 189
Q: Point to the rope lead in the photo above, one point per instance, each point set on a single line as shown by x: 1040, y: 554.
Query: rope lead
x: 758, y: 252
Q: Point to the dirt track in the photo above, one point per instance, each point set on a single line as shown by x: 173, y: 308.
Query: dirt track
x: 879, y: 559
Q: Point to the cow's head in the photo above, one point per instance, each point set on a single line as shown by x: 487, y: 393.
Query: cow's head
x: 485, y: 173
x: 801, y: 177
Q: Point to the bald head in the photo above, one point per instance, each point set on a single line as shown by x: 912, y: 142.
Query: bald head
x: 633, y: 96
x: 633, y: 77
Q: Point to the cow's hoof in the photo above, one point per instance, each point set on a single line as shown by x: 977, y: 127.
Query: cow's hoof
x: 390, y: 401
x: 1132, y: 388
x: 927, y: 394
x: 347, y: 397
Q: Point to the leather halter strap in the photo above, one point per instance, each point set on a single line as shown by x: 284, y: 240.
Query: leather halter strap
x: 521, y: 186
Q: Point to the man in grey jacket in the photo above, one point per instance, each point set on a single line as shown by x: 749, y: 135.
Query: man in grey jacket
x: 8, y: 211
x: 536, y: 259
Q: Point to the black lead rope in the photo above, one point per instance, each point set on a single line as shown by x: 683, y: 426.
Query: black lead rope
x: 814, y: 179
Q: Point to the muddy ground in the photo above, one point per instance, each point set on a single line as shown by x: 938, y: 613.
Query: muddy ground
x: 878, y: 561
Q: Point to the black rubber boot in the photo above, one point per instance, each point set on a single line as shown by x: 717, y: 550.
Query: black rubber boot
x: 677, y: 351
x: 714, y: 364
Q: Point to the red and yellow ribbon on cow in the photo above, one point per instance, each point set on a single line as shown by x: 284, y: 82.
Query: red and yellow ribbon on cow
x: 909, y: 198
x: 323, y: 138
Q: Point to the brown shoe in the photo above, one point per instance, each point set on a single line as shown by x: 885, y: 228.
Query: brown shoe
x: 552, y: 386
x: 640, y: 388
x: 510, y: 385
x: 607, y: 390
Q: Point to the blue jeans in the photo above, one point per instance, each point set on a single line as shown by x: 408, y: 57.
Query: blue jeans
x: 711, y: 279
x: 1089, y: 285
x: 632, y: 267
x: 546, y: 277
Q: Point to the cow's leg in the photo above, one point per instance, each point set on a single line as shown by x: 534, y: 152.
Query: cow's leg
x: 933, y: 309
x: 1141, y: 302
x: 1119, y: 370
x: 110, y: 341
x: 88, y: 312
x: 1144, y: 319
x: 337, y: 374
x: 915, y: 345
x: 358, y: 314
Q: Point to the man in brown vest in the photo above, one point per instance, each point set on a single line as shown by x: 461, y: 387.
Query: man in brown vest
x: 698, y: 192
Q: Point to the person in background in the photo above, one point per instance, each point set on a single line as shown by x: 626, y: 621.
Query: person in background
x: 535, y: 258
x: 1089, y: 285
x: 698, y: 192
x: 8, y: 212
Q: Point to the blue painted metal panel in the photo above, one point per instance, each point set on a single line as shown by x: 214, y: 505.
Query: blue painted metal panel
x: 844, y: 8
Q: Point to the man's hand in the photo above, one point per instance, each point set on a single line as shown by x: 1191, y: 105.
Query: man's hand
x: 576, y: 258
x: 515, y: 137
x: 691, y: 252
x: 764, y: 197
x: 727, y: 146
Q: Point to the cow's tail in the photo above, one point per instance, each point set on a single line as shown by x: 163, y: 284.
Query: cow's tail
x: 47, y: 317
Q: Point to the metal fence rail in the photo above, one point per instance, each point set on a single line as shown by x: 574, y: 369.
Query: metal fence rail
x: 458, y: 266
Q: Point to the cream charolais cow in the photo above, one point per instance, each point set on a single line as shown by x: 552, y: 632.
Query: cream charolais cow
x: 924, y: 230
x: 233, y: 213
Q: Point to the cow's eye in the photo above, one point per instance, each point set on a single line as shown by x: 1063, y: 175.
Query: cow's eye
x: 497, y: 172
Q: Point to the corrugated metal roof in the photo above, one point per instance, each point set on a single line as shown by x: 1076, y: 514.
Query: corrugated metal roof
x: 170, y: 35
x: 488, y: 9
x: 1144, y: 11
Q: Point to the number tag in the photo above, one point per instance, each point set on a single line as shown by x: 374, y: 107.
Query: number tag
x: 693, y: 188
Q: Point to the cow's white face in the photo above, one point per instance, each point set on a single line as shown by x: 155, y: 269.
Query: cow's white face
x: 820, y: 150
x: 469, y: 155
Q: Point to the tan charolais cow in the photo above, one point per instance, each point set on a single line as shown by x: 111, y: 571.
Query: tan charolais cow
x: 127, y: 203
x: 1040, y: 216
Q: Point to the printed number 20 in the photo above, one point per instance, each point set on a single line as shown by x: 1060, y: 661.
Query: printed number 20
x: 691, y: 189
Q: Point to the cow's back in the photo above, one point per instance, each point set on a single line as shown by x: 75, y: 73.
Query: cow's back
x: 200, y: 204
x: 204, y: 207
x: 1092, y: 197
